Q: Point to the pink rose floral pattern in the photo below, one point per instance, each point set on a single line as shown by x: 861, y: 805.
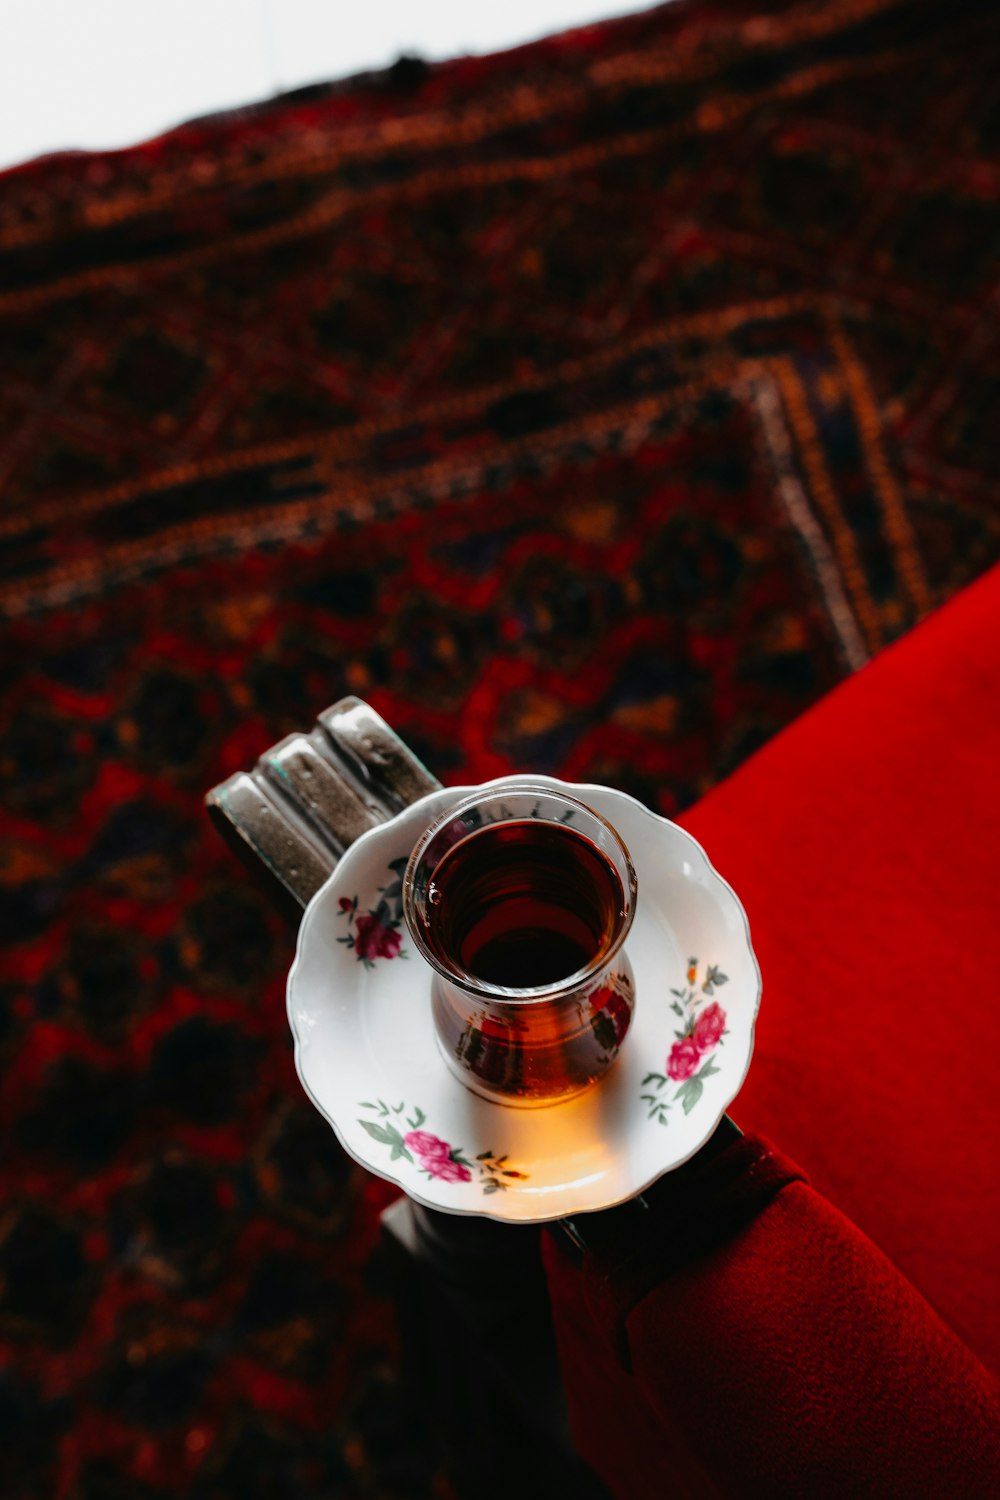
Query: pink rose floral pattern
x: 688, y: 1062
x: 377, y: 932
x: 436, y: 1158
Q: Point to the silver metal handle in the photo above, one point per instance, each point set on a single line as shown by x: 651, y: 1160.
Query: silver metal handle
x: 311, y: 795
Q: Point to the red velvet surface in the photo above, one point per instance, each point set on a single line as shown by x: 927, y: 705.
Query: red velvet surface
x: 792, y: 1361
x: 801, y: 1358
x: 798, y: 1362
x: 865, y: 845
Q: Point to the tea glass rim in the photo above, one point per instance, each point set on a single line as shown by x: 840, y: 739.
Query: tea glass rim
x: 485, y: 989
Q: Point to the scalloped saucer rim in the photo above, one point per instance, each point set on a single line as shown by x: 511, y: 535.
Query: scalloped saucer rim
x: 356, y: 1029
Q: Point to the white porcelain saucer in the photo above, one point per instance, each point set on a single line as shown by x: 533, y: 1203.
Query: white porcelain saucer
x: 365, y: 1050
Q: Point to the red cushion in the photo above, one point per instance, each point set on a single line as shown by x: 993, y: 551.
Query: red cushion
x: 791, y: 1361
x: 796, y: 1359
x: 796, y: 1362
x: 865, y: 844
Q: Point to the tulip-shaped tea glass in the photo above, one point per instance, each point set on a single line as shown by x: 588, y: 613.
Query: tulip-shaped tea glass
x: 520, y: 899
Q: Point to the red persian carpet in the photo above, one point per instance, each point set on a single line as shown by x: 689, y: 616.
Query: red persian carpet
x: 590, y: 409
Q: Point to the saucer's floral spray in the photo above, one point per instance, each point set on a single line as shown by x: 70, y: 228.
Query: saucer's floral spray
x: 377, y: 932
x: 436, y: 1158
x: 703, y: 1028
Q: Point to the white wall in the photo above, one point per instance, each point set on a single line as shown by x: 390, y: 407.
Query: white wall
x: 106, y: 73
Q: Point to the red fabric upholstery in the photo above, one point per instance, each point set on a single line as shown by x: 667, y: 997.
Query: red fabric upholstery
x: 794, y: 1361
x: 865, y: 844
x: 812, y: 1368
x: 799, y: 1358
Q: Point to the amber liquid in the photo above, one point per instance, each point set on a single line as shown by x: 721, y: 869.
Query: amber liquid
x: 526, y: 905
x: 523, y: 904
